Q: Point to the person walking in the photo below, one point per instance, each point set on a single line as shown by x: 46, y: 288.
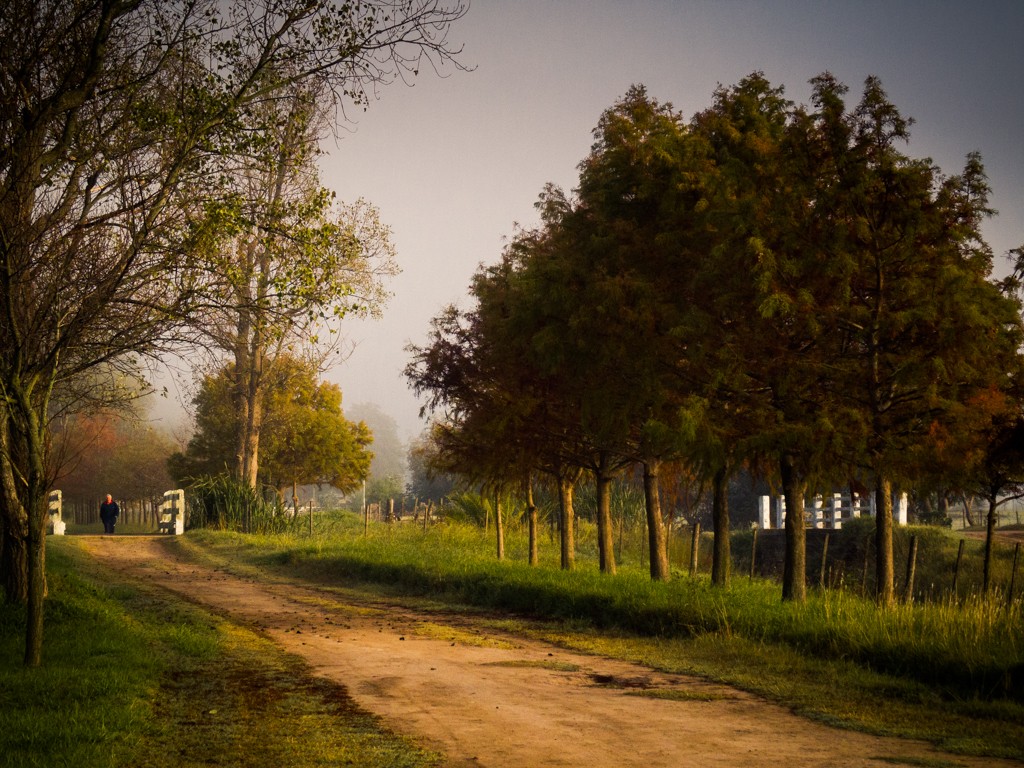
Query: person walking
x: 108, y: 514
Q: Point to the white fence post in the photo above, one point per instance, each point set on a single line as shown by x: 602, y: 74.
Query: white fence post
x: 55, y: 505
x: 764, y: 512
x: 171, y: 517
x: 817, y: 513
x: 780, y: 512
x: 900, y: 509
x: 836, y: 511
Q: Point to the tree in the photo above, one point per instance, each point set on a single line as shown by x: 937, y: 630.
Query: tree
x: 846, y: 307
x: 981, y: 453
x: 113, y: 117
x: 310, y: 440
x: 922, y: 329
x: 500, y: 417
x: 290, y: 262
x: 110, y: 452
x: 756, y: 303
x: 424, y: 483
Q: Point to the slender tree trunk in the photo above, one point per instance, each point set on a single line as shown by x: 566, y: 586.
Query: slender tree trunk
x: 990, y: 532
x: 14, y: 558
x: 26, y: 407
x: 499, y: 527
x: 885, y: 571
x: 531, y: 515
x: 794, y: 572
x: 250, y: 355
x: 566, y: 531
x: 254, y: 421
x: 605, y: 534
x: 720, y: 518
x: 36, y: 582
x: 969, y: 511
x: 655, y: 527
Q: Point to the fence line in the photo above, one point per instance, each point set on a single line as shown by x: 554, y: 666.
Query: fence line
x: 828, y: 512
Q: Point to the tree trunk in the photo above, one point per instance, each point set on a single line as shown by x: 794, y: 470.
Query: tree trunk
x: 655, y: 527
x: 531, y: 514
x: 30, y: 494
x: 969, y: 511
x: 253, y: 423
x: 720, y: 518
x: 990, y: 531
x: 605, y: 534
x: 14, y: 558
x: 794, y: 572
x: 499, y: 527
x: 566, y: 529
x: 36, y: 582
x: 885, y: 572
x: 249, y: 383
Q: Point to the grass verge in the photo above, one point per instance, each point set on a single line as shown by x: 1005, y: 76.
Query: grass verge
x: 134, y: 677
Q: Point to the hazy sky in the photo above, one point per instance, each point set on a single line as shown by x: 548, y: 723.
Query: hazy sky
x: 454, y: 163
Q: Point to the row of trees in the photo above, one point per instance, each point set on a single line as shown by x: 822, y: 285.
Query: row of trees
x: 766, y: 285
x: 156, y: 189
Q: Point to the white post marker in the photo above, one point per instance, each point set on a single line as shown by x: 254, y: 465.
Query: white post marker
x: 171, y: 518
x: 57, y: 526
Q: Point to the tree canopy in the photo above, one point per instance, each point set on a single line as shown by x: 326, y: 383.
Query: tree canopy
x: 309, y: 440
x: 767, y: 284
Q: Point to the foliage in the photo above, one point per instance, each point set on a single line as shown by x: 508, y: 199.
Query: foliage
x: 769, y: 286
x: 389, y: 452
x: 107, y: 453
x: 383, y: 489
x: 424, y: 482
x: 308, y: 439
x: 120, y: 123
x: 478, y: 509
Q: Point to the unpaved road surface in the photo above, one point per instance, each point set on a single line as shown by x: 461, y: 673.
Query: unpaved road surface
x: 486, y: 699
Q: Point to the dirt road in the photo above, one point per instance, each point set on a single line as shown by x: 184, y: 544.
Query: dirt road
x: 485, y: 699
